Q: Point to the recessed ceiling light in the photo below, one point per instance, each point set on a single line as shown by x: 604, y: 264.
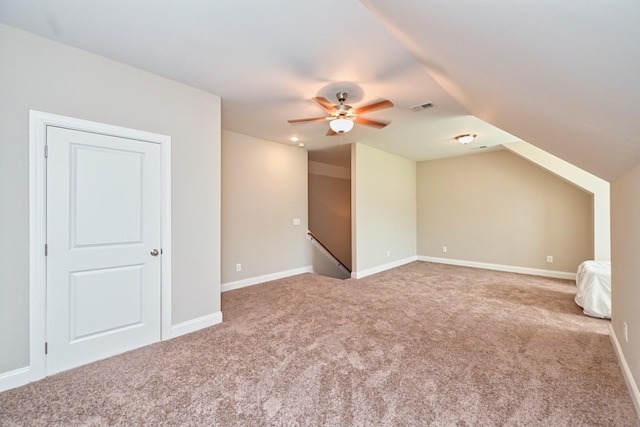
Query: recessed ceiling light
x: 300, y: 144
x: 466, y: 138
x: 294, y: 138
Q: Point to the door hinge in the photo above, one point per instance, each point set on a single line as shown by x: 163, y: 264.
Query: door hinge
x: 46, y: 348
x: 46, y: 151
x: 160, y: 251
x: 46, y: 249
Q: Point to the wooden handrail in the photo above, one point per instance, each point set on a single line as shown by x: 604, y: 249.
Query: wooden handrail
x: 314, y: 237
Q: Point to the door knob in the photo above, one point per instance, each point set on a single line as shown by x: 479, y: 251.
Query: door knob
x: 155, y: 252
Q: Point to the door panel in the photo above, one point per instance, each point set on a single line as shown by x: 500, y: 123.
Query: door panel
x: 96, y: 220
x: 103, y: 221
x: 104, y: 300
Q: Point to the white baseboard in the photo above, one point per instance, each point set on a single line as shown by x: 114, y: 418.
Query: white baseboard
x: 381, y: 268
x: 499, y: 267
x: 196, y: 324
x: 20, y: 377
x: 265, y: 278
x: 626, y: 372
x: 15, y: 378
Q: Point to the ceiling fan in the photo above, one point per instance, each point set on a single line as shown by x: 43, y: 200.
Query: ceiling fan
x: 342, y: 117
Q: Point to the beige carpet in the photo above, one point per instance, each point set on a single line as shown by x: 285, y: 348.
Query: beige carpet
x: 423, y: 344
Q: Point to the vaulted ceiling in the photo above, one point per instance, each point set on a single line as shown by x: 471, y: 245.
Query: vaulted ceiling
x: 563, y: 75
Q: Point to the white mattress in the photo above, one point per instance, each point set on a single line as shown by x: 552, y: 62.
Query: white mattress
x: 594, y: 288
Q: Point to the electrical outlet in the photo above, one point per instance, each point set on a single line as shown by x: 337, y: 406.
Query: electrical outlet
x: 444, y: 249
x: 549, y: 258
x: 625, y: 331
x: 296, y: 221
x: 238, y: 267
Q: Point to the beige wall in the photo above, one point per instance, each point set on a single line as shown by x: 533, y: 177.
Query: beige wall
x: 497, y: 208
x: 384, y: 208
x: 599, y: 188
x: 47, y: 76
x: 625, y: 267
x: 264, y: 187
x: 330, y: 213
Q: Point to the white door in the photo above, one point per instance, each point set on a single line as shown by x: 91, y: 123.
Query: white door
x: 103, y: 231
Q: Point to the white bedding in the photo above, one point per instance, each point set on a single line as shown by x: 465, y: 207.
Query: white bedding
x: 594, y: 288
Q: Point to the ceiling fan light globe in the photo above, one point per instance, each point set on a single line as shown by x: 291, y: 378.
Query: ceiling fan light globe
x: 465, y: 139
x: 341, y: 125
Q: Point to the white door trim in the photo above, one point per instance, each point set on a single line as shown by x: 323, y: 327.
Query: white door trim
x: 38, y: 122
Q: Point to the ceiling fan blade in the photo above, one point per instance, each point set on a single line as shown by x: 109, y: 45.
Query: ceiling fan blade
x: 375, y: 106
x: 331, y: 132
x: 325, y: 103
x: 367, y: 122
x: 313, y: 119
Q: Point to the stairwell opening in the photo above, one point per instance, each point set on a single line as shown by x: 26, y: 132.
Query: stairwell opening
x: 329, y: 196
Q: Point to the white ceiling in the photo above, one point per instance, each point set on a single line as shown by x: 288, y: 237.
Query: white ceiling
x: 561, y: 75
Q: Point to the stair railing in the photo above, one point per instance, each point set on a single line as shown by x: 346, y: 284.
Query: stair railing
x: 314, y: 239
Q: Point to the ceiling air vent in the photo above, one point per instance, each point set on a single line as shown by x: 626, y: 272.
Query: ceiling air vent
x: 421, y: 107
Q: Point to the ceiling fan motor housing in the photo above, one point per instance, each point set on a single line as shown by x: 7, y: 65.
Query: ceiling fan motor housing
x: 343, y: 110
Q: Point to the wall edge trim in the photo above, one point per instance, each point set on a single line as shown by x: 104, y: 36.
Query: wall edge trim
x: 264, y: 278
x: 383, y: 267
x: 196, y: 324
x: 499, y: 267
x: 626, y: 371
x: 15, y: 378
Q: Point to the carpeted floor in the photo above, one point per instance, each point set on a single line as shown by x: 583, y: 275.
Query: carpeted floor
x: 423, y: 344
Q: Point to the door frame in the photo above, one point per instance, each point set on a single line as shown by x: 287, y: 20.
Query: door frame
x: 38, y: 122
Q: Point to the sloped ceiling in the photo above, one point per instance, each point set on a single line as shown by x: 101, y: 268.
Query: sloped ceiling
x: 561, y: 75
